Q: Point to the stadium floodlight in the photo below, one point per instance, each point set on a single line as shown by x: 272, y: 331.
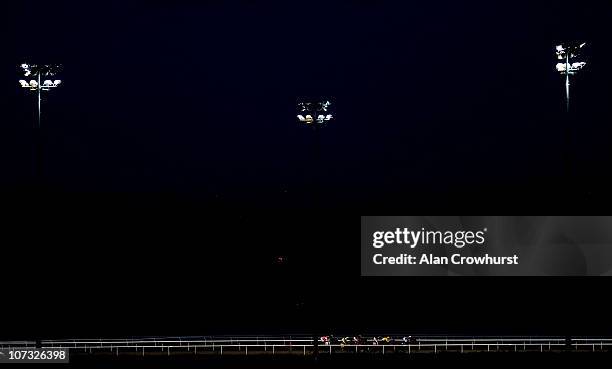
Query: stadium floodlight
x: 26, y: 70
x: 305, y: 119
x: 570, y: 63
x: 315, y: 112
x: 38, y: 72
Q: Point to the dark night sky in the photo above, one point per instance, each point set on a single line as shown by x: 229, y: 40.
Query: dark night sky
x: 187, y: 106
x: 198, y: 97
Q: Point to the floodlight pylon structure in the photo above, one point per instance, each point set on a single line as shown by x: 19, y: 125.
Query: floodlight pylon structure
x: 40, y: 81
x: 569, y: 62
x: 315, y: 113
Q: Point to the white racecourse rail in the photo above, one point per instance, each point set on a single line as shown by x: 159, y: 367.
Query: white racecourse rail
x: 308, y: 345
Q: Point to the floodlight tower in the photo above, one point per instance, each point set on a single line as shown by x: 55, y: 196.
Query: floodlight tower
x: 40, y: 82
x: 570, y: 62
x: 37, y: 84
x: 315, y: 113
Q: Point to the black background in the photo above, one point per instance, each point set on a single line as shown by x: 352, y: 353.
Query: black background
x: 175, y: 175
